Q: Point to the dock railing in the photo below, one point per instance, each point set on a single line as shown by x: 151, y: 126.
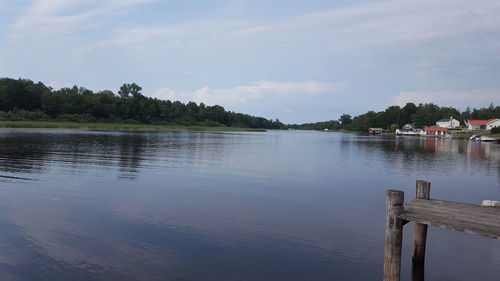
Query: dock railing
x: 423, y: 211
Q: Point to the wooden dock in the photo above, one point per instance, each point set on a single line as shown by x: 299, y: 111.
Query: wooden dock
x: 423, y: 211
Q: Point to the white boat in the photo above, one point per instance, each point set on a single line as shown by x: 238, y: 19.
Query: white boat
x: 486, y: 138
x: 475, y: 138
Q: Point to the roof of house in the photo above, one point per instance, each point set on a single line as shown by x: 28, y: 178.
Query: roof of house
x: 436, y: 129
x: 482, y: 122
x: 376, y: 129
x: 444, y: 120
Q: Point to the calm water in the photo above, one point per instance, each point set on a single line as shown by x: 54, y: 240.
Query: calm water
x: 229, y: 206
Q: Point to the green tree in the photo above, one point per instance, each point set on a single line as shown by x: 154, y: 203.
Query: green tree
x: 130, y: 90
x: 124, y: 91
x: 345, y: 119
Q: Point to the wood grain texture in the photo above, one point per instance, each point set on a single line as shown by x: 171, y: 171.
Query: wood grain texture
x: 423, y: 191
x: 393, y: 236
x: 473, y: 219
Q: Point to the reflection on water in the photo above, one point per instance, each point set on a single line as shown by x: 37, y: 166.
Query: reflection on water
x: 431, y: 154
x: 228, y: 206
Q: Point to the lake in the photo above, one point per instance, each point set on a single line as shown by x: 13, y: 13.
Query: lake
x: 279, y: 205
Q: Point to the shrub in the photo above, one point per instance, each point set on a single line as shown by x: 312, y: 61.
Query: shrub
x: 4, y: 116
x: 495, y: 130
x: 210, y: 123
x: 24, y: 115
x: 81, y: 118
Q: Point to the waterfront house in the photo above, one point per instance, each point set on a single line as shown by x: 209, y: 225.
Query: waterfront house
x: 436, y: 131
x: 375, y: 131
x: 449, y: 123
x: 476, y: 125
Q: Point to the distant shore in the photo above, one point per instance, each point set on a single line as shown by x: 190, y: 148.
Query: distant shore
x: 117, y: 127
x: 454, y: 135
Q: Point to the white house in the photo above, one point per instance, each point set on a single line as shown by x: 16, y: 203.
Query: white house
x: 489, y: 124
x: 449, y: 123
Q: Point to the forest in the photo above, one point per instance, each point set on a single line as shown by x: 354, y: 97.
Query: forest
x: 24, y: 100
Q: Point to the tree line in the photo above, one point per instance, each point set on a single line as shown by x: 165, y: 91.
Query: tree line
x: 395, y: 117
x: 22, y: 99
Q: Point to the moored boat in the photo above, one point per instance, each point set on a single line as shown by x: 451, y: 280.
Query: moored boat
x: 475, y: 138
x: 482, y: 138
x: 486, y: 138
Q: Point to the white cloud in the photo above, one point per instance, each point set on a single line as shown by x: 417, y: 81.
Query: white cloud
x: 242, y: 94
x: 50, y: 18
x: 235, y: 7
x: 381, y: 23
x: 474, y: 98
x: 429, y: 42
x: 56, y: 85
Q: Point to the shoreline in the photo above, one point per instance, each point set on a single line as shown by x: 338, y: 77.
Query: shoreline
x: 123, y: 127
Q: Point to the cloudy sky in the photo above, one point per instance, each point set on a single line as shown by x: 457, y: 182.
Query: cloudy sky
x: 295, y: 60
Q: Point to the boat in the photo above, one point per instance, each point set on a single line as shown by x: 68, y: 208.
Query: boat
x: 475, y: 138
x: 482, y: 138
x: 486, y: 138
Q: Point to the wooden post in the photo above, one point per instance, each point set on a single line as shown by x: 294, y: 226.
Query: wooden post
x: 420, y: 236
x: 393, y: 235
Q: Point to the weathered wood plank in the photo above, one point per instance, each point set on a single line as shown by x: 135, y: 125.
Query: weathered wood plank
x: 393, y: 236
x: 473, y: 219
x: 423, y: 191
x: 458, y: 211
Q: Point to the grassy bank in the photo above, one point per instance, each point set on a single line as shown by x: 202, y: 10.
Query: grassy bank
x: 347, y: 131
x: 117, y: 127
x: 467, y: 135
x: 462, y: 135
x: 496, y: 135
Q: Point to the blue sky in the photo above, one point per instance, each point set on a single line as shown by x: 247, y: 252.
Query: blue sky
x: 299, y: 61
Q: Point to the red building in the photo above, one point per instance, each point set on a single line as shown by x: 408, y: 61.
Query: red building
x: 475, y: 125
x: 375, y: 131
x: 436, y: 131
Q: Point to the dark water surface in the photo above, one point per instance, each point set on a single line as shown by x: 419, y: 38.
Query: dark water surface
x: 229, y: 206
